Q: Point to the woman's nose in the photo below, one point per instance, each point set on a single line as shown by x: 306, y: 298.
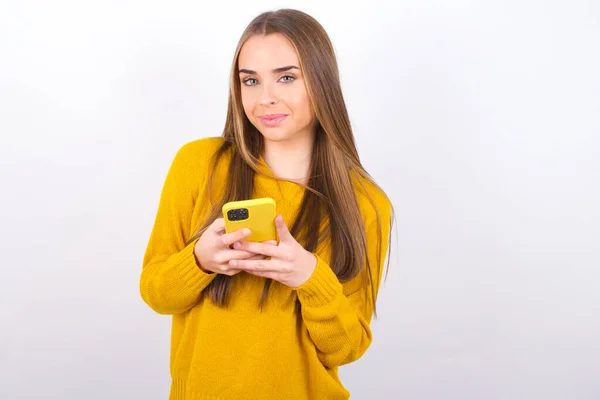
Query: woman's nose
x: 268, y: 95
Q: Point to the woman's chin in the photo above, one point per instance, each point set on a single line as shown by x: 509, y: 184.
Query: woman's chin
x: 276, y: 135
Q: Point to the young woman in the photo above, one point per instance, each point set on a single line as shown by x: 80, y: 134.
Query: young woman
x: 270, y: 320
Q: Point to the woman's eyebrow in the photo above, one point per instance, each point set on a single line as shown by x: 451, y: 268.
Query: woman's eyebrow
x: 276, y: 70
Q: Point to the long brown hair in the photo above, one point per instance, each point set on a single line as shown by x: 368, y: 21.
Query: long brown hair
x: 335, y: 163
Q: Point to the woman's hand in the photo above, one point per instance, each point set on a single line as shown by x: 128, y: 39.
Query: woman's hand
x: 289, y: 262
x: 213, y: 251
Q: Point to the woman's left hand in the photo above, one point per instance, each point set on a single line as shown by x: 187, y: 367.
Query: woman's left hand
x: 289, y: 262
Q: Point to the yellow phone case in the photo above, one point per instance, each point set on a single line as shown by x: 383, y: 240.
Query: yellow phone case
x: 257, y: 214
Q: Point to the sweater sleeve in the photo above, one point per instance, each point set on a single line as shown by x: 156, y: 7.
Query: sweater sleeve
x: 338, y: 316
x: 171, y: 280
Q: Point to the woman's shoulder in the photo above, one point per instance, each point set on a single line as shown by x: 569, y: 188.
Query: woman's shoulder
x: 203, y: 148
x: 371, y: 197
x: 193, y: 158
x: 192, y: 164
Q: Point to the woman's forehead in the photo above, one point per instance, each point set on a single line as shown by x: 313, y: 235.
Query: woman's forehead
x: 263, y: 53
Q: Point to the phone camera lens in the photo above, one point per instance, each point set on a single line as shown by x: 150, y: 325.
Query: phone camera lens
x: 238, y: 214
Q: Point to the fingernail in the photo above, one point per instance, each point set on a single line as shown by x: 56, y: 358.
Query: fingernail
x: 233, y: 263
x: 246, y: 232
x: 236, y: 245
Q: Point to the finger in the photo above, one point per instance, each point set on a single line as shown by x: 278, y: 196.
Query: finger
x: 231, y: 272
x: 258, y: 248
x: 282, y: 230
x: 256, y: 257
x: 271, y: 242
x: 256, y: 265
x: 229, y: 255
x: 276, y: 276
x: 218, y: 224
x: 230, y: 238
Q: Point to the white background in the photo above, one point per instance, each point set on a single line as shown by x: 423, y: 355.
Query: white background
x: 480, y: 119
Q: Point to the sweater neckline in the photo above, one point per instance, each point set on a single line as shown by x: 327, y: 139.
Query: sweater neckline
x: 283, y: 191
x: 262, y: 165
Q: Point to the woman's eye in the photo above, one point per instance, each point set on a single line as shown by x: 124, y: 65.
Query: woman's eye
x: 288, y: 78
x: 249, y: 81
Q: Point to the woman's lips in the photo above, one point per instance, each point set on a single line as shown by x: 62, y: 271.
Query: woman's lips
x: 272, y: 119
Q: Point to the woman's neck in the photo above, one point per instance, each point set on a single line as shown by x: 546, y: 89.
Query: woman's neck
x: 290, y: 159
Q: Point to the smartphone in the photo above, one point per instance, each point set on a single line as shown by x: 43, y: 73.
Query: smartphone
x: 257, y: 214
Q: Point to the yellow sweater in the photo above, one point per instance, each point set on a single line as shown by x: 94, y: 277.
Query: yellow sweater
x: 239, y: 352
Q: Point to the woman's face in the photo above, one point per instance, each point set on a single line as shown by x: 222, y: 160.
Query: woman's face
x: 273, y: 89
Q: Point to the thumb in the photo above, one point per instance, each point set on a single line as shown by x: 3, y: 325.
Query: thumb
x: 282, y: 230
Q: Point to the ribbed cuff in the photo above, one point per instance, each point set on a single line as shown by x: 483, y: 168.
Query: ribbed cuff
x: 193, y: 278
x: 321, y: 288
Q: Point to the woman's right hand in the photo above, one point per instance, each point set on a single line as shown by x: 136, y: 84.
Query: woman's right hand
x: 213, y: 251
